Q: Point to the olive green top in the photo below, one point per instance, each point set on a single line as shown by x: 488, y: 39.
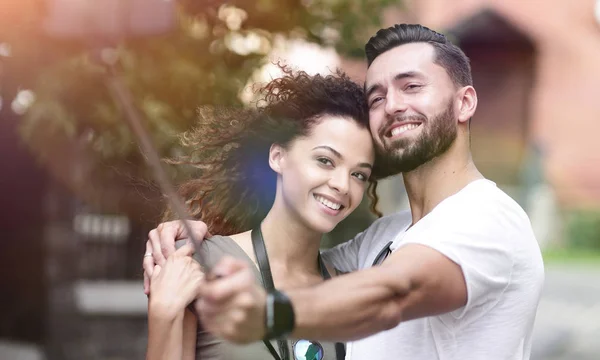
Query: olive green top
x: 209, y: 347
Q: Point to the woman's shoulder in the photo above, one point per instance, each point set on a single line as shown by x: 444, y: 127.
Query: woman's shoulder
x: 216, y: 243
x: 214, y: 248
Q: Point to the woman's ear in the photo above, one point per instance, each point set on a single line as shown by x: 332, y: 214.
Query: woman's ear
x: 276, y: 157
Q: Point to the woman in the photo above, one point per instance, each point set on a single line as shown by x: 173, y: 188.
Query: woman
x: 274, y: 179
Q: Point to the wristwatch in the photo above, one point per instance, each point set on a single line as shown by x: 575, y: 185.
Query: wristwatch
x: 279, y: 315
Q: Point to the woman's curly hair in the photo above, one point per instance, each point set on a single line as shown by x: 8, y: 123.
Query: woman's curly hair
x: 235, y: 187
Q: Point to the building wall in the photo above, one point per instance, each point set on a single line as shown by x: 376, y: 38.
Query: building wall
x: 565, y: 104
x: 564, y: 101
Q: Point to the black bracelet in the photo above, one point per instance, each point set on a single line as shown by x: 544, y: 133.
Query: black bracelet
x: 279, y: 316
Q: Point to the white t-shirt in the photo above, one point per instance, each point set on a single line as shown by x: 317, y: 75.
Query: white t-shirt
x: 489, y: 235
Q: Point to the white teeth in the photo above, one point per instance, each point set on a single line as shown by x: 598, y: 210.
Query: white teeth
x: 329, y: 204
x: 403, y: 128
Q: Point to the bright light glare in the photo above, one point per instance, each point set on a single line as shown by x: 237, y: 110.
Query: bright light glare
x: 23, y: 101
x: 244, y: 44
x: 297, y: 54
x: 5, y: 49
x: 232, y: 16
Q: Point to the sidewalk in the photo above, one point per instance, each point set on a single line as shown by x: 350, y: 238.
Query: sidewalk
x: 10, y: 350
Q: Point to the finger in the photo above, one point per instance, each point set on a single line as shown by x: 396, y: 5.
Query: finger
x: 200, y: 283
x: 146, y: 284
x: 225, y: 322
x: 154, y: 238
x: 156, y: 272
x: 208, y: 310
x: 186, y: 250
x: 148, y: 266
x: 168, y: 233
x: 200, y: 230
x: 223, y: 290
x: 229, y: 265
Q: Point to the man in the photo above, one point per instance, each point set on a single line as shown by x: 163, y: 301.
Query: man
x: 464, y: 272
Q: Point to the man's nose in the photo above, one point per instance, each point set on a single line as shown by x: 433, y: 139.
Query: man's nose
x: 395, y: 102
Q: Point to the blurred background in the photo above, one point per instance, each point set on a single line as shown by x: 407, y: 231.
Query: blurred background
x: 78, y: 199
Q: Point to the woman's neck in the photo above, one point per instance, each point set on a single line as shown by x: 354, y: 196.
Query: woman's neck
x: 292, y: 247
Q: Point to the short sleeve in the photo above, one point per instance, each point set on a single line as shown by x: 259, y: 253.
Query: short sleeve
x: 344, y: 257
x: 359, y: 252
x: 482, y: 250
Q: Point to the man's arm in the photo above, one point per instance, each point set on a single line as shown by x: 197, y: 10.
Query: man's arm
x: 415, y: 281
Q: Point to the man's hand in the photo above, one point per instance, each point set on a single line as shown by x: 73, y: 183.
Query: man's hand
x: 176, y: 284
x: 233, y: 306
x: 161, y: 244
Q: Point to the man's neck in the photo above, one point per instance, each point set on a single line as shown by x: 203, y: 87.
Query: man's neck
x: 292, y: 247
x: 442, y: 177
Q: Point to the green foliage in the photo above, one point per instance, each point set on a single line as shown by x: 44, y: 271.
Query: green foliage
x: 75, y: 127
x: 583, y: 229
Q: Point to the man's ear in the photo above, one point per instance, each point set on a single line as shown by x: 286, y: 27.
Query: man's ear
x: 276, y: 157
x: 467, y: 103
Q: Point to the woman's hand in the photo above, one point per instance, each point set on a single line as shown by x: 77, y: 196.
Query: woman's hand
x: 232, y: 306
x: 176, y: 284
x: 161, y: 244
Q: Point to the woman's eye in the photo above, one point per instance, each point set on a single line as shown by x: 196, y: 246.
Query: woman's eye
x: 361, y: 176
x: 324, y: 161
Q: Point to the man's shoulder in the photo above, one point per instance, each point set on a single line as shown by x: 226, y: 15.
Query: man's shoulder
x: 482, y: 211
x: 481, y: 199
x: 387, y: 227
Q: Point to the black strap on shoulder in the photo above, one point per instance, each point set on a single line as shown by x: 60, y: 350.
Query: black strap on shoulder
x: 383, y: 254
x: 260, y: 251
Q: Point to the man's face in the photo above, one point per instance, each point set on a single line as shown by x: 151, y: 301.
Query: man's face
x: 411, y: 107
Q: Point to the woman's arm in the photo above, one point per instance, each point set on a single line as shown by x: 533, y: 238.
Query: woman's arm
x: 172, y: 289
x: 165, y: 333
x: 172, y: 336
x: 190, y: 326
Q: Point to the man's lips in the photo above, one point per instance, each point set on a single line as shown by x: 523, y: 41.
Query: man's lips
x: 399, y: 128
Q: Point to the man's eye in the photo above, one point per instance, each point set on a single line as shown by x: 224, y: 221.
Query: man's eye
x: 376, y: 100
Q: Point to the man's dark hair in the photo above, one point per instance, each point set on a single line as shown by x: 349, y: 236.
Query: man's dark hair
x: 447, y: 55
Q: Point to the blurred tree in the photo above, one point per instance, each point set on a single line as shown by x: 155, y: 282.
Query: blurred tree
x: 75, y: 129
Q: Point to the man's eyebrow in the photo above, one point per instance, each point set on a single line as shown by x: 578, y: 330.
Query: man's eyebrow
x: 371, y: 89
x: 337, y: 154
x: 408, y: 74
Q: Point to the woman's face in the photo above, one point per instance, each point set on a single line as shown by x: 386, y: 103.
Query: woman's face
x: 323, y: 176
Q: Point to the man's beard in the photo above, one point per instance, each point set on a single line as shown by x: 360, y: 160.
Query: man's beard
x: 405, y: 155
